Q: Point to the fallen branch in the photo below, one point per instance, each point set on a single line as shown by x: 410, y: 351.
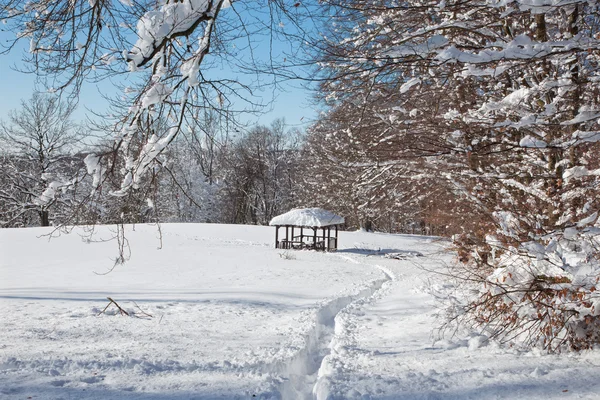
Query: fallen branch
x: 111, y: 301
x: 141, y: 314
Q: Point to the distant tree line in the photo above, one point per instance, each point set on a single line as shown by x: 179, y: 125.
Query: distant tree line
x: 217, y: 173
x: 209, y: 175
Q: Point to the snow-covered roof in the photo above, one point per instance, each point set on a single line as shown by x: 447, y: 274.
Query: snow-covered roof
x: 307, y: 217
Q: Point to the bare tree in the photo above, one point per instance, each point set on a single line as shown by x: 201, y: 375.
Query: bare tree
x: 258, y: 174
x: 37, y: 139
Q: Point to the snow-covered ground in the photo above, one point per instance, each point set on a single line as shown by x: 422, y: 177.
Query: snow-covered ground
x: 232, y: 317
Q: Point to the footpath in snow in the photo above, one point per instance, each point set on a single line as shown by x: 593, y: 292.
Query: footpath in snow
x: 385, y: 346
x: 233, y: 317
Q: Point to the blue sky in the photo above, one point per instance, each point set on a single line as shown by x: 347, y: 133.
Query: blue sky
x: 291, y: 103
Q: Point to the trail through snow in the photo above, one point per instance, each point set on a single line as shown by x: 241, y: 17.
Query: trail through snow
x: 303, y: 375
x: 341, y: 330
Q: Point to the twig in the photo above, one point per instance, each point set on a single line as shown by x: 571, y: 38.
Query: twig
x: 111, y: 301
x: 142, y: 311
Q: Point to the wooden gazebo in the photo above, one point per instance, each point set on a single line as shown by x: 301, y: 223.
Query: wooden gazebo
x: 307, y: 228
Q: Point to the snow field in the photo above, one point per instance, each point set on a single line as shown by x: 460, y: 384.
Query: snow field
x: 235, y: 318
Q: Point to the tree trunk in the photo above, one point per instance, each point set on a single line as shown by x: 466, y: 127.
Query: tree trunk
x: 44, y: 218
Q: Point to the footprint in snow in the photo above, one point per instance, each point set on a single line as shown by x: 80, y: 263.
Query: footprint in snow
x: 93, y: 379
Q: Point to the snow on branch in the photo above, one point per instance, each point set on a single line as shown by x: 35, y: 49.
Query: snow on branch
x: 158, y: 31
x: 156, y: 28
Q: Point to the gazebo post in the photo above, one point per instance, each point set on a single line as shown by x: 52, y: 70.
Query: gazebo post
x: 276, y: 236
x: 292, y: 233
x: 315, y: 237
x: 301, y: 235
x: 336, y: 237
x: 328, y: 236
